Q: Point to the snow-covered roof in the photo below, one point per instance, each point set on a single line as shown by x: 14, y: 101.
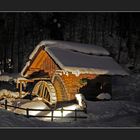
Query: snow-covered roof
x: 80, y: 47
x: 77, y: 62
x: 79, y: 58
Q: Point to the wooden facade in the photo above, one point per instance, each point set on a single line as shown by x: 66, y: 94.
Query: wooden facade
x: 66, y: 86
x: 42, y: 62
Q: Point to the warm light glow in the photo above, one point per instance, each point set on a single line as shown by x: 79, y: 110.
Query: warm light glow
x: 58, y: 113
x: 37, y: 112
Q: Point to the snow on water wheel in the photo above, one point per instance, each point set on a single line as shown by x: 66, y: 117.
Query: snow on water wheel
x: 46, y: 91
x: 60, y: 88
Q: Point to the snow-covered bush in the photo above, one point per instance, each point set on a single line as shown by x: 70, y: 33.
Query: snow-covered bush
x: 8, y: 94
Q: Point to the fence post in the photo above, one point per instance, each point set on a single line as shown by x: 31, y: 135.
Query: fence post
x: 27, y: 112
x: 75, y: 114
x: 62, y: 112
x: 5, y: 104
x: 52, y: 115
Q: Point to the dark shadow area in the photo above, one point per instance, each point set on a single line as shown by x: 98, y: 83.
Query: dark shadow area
x: 39, y: 74
x: 8, y: 86
x: 29, y: 89
x: 101, y: 84
x: 29, y: 96
x: 65, y: 103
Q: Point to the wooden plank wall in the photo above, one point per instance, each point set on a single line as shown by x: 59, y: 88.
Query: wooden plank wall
x: 72, y: 83
x: 44, y: 63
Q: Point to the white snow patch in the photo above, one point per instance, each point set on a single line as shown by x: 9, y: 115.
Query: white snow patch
x: 32, y: 105
x: 8, y: 94
x: 5, y: 78
x: 9, y: 77
x: 103, y: 96
x: 81, y: 100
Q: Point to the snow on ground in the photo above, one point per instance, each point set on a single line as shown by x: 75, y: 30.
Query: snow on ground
x: 100, y: 114
x: 9, y: 119
x: 38, y: 104
x: 110, y: 114
x: 126, y: 88
x: 104, y: 96
x: 122, y: 111
x: 32, y: 105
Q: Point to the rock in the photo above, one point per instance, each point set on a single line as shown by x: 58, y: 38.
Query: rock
x: 103, y: 96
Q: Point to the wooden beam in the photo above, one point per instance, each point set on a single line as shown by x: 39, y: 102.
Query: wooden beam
x: 20, y: 92
x: 17, y: 85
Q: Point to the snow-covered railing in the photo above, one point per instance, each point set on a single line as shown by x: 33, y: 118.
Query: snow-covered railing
x: 28, y: 110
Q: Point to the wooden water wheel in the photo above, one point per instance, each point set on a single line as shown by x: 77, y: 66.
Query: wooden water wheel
x: 46, y: 91
x: 61, y: 91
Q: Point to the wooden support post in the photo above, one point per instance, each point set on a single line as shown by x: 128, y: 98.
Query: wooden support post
x: 20, y: 92
x: 52, y: 115
x: 5, y: 104
x: 17, y: 85
x: 27, y: 112
x: 75, y: 114
x: 62, y: 112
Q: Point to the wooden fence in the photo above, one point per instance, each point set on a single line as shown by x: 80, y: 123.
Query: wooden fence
x: 75, y: 116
